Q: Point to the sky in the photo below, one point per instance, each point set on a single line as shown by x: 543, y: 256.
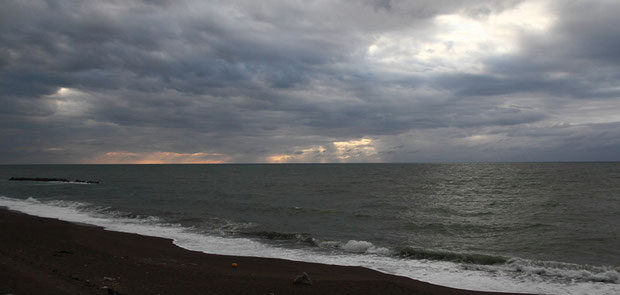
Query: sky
x: 190, y: 81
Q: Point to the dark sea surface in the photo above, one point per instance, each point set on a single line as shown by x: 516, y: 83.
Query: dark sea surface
x: 537, y: 227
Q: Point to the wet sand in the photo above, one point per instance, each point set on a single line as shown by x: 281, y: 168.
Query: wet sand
x: 49, y: 256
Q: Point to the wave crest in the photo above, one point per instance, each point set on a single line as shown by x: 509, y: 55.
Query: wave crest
x: 417, y: 253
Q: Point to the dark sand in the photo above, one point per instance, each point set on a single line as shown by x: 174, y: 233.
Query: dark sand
x: 48, y: 256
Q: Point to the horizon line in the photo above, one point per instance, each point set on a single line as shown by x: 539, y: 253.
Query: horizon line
x: 328, y: 163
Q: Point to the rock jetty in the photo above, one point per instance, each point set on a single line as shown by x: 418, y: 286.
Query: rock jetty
x: 46, y: 179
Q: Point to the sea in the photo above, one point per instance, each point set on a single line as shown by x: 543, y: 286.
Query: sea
x: 546, y: 228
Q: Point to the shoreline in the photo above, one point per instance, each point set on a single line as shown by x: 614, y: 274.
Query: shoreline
x: 49, y: 256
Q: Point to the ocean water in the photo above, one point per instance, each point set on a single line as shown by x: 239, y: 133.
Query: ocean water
x: 551, y: 228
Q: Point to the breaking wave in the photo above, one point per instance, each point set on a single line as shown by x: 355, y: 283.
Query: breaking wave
x: 415, y: 253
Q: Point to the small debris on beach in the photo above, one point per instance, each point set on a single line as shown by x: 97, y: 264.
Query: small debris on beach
x: 61, y: 253
x: 303, y: 279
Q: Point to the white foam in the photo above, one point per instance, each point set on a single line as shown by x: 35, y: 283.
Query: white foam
x: 441, y: 273
x: 357, y: 246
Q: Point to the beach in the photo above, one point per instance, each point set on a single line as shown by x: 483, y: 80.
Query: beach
x: 49, y: 256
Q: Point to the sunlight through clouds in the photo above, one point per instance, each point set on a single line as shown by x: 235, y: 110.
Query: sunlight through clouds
x: 159, y: 158
x: 359, y: 150
x: 315, y: 154
x: 356, y: 150
x: 457, y: 42
x: 70, y: 102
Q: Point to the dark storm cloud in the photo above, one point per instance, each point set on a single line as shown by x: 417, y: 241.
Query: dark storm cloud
x: 249, y: 80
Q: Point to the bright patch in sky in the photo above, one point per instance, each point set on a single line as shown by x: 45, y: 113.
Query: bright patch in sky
x: 63, y: 91
x: 70, y: 102
x: 159, y: 158
x: 362, y: 149
x: 301, y: 155
x: 459, y: 41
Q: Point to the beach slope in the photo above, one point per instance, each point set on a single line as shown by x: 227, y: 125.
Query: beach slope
x: 48, y: 256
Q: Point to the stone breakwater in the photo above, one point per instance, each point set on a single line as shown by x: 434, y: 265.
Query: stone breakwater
x: 46, y: 179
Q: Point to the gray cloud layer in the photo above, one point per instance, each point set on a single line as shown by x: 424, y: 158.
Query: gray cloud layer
x: 244, y: 81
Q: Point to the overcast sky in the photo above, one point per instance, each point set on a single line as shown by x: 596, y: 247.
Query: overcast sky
x: 309, y: 81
